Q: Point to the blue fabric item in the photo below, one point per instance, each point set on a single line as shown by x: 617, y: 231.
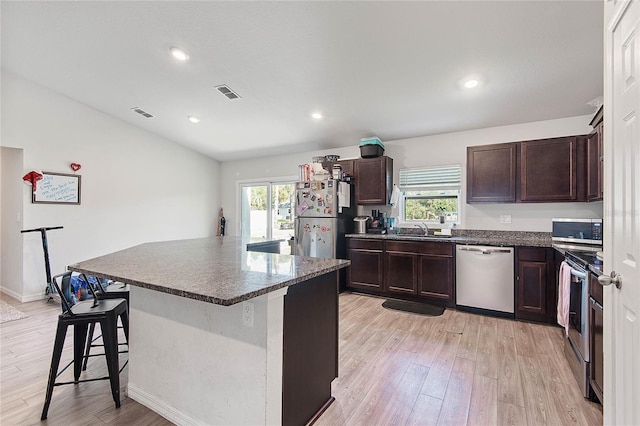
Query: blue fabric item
x: 75, y: 288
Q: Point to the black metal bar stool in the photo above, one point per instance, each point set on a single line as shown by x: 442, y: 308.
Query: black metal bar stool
x: 117, y: 290
x: 80, y: 316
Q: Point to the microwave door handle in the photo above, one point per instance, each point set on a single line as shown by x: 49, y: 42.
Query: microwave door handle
x: 581, y: 275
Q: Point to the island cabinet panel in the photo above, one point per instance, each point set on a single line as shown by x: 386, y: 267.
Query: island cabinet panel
x: 549, y: 170
x: 374, y: 179
x: 366, y: 270
x: 491, y: 173
x: 310, y: 348
x: 535, y: 284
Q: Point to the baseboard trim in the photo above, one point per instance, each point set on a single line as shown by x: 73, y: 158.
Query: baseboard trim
x: 22, y: 298
x: 162, y: 408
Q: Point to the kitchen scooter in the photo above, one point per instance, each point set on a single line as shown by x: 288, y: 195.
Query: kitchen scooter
x: 50, y: 289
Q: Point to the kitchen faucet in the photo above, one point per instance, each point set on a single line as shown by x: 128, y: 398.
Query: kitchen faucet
x: 424, y: 227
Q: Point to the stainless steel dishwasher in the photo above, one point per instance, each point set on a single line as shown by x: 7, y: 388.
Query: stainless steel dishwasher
x: 484, y: 278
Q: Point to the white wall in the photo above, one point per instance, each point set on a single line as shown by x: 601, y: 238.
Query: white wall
x: 136, y: 186
x: 447, y: 148
x: 11, y: 221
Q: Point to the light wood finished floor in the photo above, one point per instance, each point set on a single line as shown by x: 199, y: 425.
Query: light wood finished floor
x: 455, y: 369
x: 395, y: 368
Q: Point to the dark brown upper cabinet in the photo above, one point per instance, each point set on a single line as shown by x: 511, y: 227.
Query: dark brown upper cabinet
x: 595, y: 158
x: 544, y: 170
x: 549, y: 170
x: 491, y: 173
x: 374, y: 180
x: 347, y: 166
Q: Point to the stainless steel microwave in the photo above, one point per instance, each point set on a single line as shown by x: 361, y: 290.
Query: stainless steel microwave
x: 584, y: 231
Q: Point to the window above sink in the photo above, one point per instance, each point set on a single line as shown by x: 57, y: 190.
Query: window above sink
x: 430, y: 195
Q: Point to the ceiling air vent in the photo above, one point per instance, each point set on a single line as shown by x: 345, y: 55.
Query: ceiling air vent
x: 224, y: 89
x: 142, y: 112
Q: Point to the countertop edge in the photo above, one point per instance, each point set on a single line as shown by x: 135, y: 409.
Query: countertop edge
x: 211, y: 299
x: 547, y: 243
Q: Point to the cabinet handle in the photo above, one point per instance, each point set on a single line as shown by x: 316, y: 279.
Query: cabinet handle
x: 485, y: 251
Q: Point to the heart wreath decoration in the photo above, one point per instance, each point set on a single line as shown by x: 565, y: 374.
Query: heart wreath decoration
x: 32, y: 178
x: 75, y: 167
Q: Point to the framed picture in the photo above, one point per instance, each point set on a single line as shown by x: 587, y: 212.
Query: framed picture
x: 57, y: 188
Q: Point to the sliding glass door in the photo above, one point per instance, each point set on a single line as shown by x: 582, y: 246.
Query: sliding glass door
x: 267, y: 210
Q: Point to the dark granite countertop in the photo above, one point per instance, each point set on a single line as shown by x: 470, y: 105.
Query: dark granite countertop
x: 477, y: 237
x: 217, y: 270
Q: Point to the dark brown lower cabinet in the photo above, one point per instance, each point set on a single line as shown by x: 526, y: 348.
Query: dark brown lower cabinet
x: 435, y: 278
x: 414, y: 270
x: 535, y: 284
x: 596, y: 364
x: 401, y: 272
x: 366, y: 271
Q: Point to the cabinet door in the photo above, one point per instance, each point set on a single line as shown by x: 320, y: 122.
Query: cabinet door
x: 532, y: 287
x: 597, y: 348
x: 435, y: 277
x: 365, y: 271
x: 594, y: 165
x: 548, y: 170
x: 535, y: 284
x: 373, y: 180
x: 401, y: 272
x: 491, y: 173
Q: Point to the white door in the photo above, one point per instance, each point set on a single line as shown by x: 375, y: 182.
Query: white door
x: 622, y: 212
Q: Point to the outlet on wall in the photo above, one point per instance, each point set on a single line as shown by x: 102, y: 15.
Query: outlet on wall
x: 505, y: 218
x: 247, y: 314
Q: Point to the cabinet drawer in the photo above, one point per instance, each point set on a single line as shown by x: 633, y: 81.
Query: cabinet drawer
x: 432, y: 248
x: 365, y: 244
x: 532, y: 254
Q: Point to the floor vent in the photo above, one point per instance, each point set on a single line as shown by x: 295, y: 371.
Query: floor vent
x: 142, y: 112
x: 224, y: 89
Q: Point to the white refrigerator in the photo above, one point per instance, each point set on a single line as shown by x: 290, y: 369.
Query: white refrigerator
x: 324, y: 214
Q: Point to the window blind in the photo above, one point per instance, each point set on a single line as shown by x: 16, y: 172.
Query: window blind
x: 431, y: 178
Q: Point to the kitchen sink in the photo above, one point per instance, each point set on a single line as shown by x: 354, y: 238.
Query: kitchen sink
x: 417, y: 232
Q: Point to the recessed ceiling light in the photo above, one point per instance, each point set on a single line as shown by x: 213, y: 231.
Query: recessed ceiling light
x: 178, y: 53
x: 470, y: 84
x: 316, y: 115
x: 194, y: 120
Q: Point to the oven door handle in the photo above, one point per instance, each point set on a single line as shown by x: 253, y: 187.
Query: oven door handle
x: 581, y: 275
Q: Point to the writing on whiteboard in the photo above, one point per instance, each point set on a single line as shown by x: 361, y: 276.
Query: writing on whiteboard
x: 58, y: 188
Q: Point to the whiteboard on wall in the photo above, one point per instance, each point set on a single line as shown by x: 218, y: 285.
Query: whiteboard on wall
x: 57, y: 188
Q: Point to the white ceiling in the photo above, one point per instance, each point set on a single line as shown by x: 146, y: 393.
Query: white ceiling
x: 391, y: 69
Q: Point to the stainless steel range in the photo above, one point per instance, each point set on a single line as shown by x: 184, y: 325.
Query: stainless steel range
x: 580, y: 240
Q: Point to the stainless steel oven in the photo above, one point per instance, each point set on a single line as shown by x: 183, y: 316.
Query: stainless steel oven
x: 577, y: 344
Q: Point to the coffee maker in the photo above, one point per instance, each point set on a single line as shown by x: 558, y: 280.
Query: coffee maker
x: 378, y: 223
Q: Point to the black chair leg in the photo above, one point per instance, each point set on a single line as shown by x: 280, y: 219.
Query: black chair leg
x: 109, y: 328
x: 92, y: 328
x: 124, y: 319
x: 61, y: 333
x: 79, y: 339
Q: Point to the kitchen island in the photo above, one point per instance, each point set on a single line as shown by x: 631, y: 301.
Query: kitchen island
x: 221, y: 335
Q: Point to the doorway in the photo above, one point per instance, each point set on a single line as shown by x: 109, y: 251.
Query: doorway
x: 11, y: 215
